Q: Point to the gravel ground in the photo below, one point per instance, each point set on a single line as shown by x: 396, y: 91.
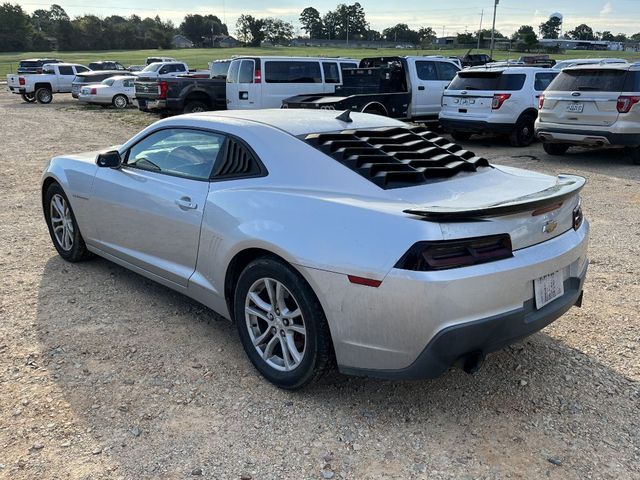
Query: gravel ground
x: 104, y: 374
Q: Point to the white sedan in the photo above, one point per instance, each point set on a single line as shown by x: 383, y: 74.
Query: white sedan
x: 117, y: 91
x: 355, y: 240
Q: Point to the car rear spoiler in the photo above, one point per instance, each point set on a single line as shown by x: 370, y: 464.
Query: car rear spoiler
x: 565, y: 187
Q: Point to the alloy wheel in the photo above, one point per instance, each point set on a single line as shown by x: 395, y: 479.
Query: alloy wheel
x: 61, y: 222
x: 275, y: 324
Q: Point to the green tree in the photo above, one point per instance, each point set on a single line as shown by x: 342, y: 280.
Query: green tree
x: 635, y: 37
x: 550, y: 28
x: 582, y: 32
x: 525, y: 38
x: 250, y: 30
x: 312, y: 22
x: 465, y: 39
x: 348, y: 18
x: 277, y: 31
x: 200, y: 29
x: 401, y: 33
x: 15, y: 28
x: 427, y: 35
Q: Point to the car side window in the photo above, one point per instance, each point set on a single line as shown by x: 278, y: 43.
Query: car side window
x: 331, y: 74
x: 177, y: 151
x: 128, y: 83
x: 246, y: 72
x: 80, y: 69
x: 426, y: 70
x: 543, y: 80
x: 179, y: 68
x: 66, y: 70
x: 446, y: 71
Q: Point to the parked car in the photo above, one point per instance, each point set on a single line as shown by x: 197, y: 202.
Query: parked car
x: 107, y: 65
x: 135, y: 68
x: 398, y: 87
x: 117, y: 91
x: 592, y: 105
x: 163, y: 69
x: 151, y: 60
x: 55, y: 78
x: 87, y: 78
x: 264, y: 82
x: 500, y: 100
x: 357, y: 240
x: 475, y: 59
x: 34, y: 65
x: 586, y: 61
x: 538, y: 60
x: 184, y: 93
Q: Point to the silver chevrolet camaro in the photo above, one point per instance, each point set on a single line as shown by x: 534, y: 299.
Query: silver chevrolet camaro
x: 328, y: 238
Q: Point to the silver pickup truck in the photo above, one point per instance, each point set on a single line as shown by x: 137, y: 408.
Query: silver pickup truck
x: 55, y: 78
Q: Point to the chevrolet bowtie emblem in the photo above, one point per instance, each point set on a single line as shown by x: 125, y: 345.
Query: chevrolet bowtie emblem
x: 550, y: 226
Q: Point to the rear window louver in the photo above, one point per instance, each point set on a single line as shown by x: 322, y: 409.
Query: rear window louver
x: 237, y: 161
x: 395, y: 157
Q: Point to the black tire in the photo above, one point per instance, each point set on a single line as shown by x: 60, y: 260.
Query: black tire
x: 375, y: 111
x: 317, y: 357
x: 44, y: 95
x: 461, y: 136
x: 28, y: 97
x: 634, y: 153
x: 524, y: 133
x: 120, y: 101
x: 555, y: 148
x: 195, y: 106
x: 78, y: 250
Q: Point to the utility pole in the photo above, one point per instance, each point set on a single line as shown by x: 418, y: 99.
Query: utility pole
x: 493, y: 28
x: 480, y: 29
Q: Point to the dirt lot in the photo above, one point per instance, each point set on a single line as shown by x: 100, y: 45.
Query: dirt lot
x: 104, y: 374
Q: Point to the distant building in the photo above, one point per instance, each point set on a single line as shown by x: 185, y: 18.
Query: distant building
x: 566, y: 44
x: 180, y: 41
x: 225, y: 41
x: 444, y: 41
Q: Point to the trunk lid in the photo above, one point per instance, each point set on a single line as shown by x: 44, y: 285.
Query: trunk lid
x: 584, y: 97
x: 532, y: 208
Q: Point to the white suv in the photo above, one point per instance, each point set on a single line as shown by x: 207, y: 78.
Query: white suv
x: 495, y: 100
x: 592, y: 105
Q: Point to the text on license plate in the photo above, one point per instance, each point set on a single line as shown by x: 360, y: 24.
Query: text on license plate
x: 575, y: 107
x: 548, y: 288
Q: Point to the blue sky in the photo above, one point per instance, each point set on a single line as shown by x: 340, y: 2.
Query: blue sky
x: 614, y: 15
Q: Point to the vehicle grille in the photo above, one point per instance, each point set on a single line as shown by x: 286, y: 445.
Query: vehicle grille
x: 395, y: 157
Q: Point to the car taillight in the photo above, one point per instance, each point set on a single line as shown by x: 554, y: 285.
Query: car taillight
x: 626, y: 102
x: 499, y: 99
x: 22, y: 81
x: 257, y: 76
x: 578, y: 217
x: 163, y: 87
x: 93, y: 91
x: 540, y: 102
x: 447, y: 254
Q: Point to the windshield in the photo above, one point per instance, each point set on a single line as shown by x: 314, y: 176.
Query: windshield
x: 154, y: 67
x: 29, y: 64
x: 108, y: 82
x: 589, y: 80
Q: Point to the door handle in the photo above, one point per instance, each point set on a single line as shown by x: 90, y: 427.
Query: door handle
x: 421, y: 87
x: 185, y: 203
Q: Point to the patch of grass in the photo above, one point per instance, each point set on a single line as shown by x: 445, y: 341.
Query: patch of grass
x: 199, y: 57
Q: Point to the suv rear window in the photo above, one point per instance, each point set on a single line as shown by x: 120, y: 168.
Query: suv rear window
x: 292, y: 72
x: 589, y: 80
x: 30, y: 64
x: 492, y: 81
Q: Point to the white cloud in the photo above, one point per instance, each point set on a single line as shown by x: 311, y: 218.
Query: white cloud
x: 607, y: 9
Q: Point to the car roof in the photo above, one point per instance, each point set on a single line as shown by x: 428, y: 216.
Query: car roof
x: 65, y: 64
x: 507, y: 69
x: 294, y: 121
x: 604, y: 66
x: 270, y: 57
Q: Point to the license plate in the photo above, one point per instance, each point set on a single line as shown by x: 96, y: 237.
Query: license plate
x: 548, y: 288
x: 575, y: 107
x: 465, y: 101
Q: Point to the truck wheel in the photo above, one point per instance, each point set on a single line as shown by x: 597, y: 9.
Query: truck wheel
x: 195, y: 107
x: 28, y: 97
x: 524, y: 133
x: 555, y: 148
x: 44, y: 95
x: 461, y: 136
x: 120, y: 101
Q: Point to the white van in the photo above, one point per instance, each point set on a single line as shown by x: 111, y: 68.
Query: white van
x: 263, y: 82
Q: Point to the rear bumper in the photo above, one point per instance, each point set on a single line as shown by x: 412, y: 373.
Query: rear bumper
x: 480, y: 337
x: 586, y: 137
x: 17, y: 90
x: 149, y: 105
x: 475, y: 126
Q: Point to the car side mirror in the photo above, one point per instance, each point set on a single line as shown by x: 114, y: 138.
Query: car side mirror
x: 111, y: 159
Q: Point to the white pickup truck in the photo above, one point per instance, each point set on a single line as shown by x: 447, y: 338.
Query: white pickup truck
x: 55, y: 78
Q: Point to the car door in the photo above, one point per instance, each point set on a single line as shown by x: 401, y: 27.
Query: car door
x: 65, y: 78
x: 446, y: 72
x: 425, y: 88
x: 128, y: 87
x: 243, y: 89
x: 148, y: 213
